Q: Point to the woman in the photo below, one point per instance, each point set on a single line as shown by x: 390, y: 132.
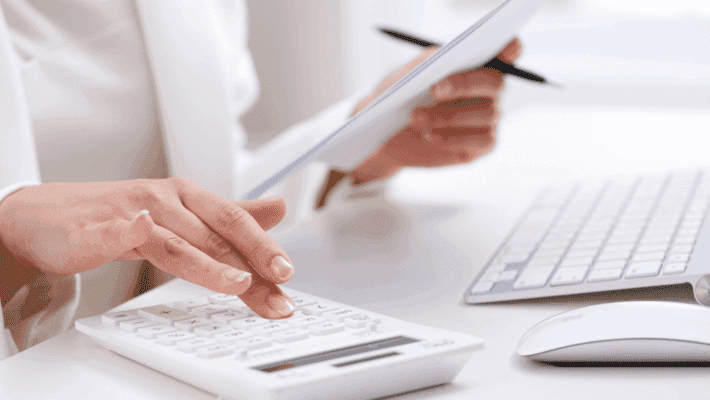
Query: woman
x: 84, y: 84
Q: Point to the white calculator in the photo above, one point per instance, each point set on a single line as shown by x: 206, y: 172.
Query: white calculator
x: 326, y: 350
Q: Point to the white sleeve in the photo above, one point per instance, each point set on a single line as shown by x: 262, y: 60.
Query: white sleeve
x: 18, y: 160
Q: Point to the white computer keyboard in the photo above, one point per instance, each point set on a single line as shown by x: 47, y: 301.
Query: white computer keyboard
x: 326, y: 350
x: 625, y: 232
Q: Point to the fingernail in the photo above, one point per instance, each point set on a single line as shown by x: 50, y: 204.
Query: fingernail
x: 236, y: 275
x: 280, y: 305
x: 282, y: 267
x: 144, y: 212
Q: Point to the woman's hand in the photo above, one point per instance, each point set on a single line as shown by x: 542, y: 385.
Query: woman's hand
x: 458, y: 127
x: 67, y: 228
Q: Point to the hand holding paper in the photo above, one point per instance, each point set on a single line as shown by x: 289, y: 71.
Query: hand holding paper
x: 457, y: 127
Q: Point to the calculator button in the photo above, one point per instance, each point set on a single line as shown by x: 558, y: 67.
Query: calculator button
x: 193, y: 344
x: 212, y: 329
x: 233, y: 336
x: 318, y: 309
x: 190, y: 324
x: 360, y: 321
x: 222, y: 299
x: 135, y: 324
x: 269, y: 329
x: 291, y: 335
x: 188, y: 305
x: 248, y: 323
x: 151, y: 332
x: 217, y: 350
x: 240, y: 306
x: 326, y: 329
x: 163, y: 314
x: 227, y: 317
x: 208, y: 311
x: 170, y: 339
x: 302, y: 301
x: 340, y: 315
x: 253, y: 343
x: 116, y: 318
x: 306, y: 321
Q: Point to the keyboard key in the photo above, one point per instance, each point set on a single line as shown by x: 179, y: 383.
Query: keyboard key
x: 681, y: 248
x: 648, y: 257
x: 188, y: 305
x: 269, y: 329
x: 608, y: 274
x: 674, y: 268
x: 135, y: 324
x: 327, y: 328
x: 115, y: 318
x: 489, y: 276
x: 340, y: 315
x: 614, y: 264
x: 222, y: 299
x: 482, y: 287
x: 208, y: 311
x: 151, y: 332
x: 576, y: 262
x: 614, y: 255
x: 233, y: 336
x: 190, y: 345
x: 217, y: 350
x: 678, y: 258
x: 533, y: 277
x: 248, y: 323
x: 643, y: 269
x: 581, y: 253
x: 319, y: 308
x: 163, y: 314
x: 543, y: 261
x: 360, y: 321
x: 291, y: 335
x: 305, y: 321
x: 515, y: 258
x: 212, y: 329
x: 189, y: 325
x: 508, y: 275
x: 569, y: 276
x: 240, y: 306
x: 170, y: 339
x: 652, y: 248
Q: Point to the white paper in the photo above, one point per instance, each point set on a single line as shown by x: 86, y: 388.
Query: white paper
x: 362, y: 134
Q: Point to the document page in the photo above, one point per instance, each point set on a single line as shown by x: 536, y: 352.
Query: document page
x: 363, y: 133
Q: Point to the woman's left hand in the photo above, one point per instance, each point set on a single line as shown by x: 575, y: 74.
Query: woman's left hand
x: 459, y: 127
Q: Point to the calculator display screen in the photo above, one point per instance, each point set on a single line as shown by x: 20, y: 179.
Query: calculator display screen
x: 339, y: 353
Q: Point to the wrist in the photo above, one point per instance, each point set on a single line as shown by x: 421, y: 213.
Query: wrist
x: 377, y: 167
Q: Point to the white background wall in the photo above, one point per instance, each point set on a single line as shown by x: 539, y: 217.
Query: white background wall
x: 631, y: 53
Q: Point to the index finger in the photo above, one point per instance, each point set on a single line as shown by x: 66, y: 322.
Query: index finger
x: 240, y: 229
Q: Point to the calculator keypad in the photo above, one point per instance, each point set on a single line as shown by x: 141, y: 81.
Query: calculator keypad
x: 222, y: 325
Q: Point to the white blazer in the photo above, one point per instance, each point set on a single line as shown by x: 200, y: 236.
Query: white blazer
x: 201, y: 89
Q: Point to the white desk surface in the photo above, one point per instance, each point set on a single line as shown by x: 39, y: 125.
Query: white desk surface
x: 413, y: 255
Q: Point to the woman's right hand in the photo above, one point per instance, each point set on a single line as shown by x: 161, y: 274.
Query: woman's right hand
x: 67, y: 228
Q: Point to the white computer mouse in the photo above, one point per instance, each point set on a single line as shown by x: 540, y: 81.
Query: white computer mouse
x: 634, y: 331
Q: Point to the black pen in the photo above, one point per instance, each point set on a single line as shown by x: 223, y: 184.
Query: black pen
x: 496, y: 63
